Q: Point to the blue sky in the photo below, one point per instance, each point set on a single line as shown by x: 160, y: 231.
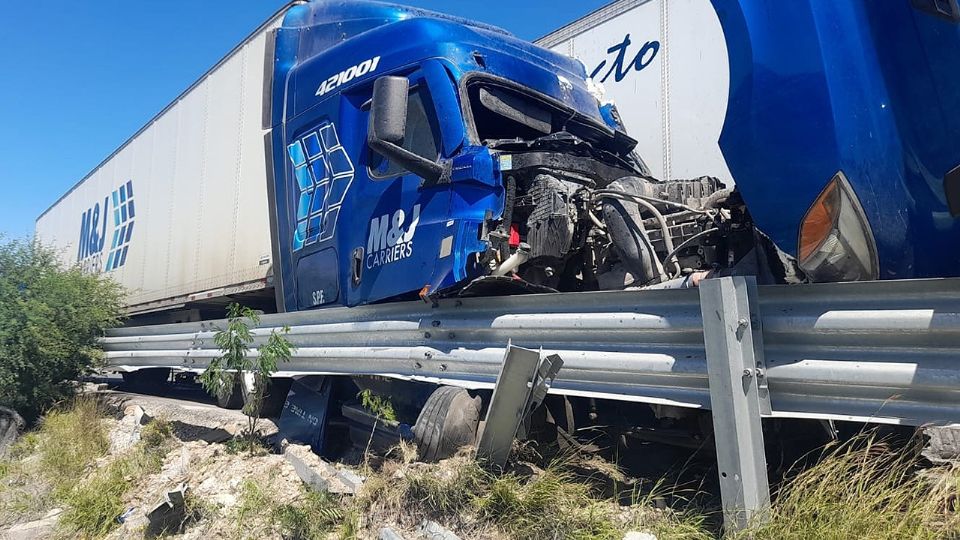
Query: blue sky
x: 77, y: 78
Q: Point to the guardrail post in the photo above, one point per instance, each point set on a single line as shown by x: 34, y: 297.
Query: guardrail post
x: 732, y: 337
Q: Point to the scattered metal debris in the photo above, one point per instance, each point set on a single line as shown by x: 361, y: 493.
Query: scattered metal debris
x: 169, y: 514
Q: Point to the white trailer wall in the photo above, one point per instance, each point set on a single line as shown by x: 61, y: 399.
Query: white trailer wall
x: 675, y: 105
x: 200, y: 221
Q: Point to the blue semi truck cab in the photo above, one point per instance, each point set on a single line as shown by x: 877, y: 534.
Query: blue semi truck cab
x: 420, y: 155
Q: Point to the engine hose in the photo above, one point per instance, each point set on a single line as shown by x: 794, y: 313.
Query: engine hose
x: 716, y: 198
x: 664, y: 228
x: 509, y: 198
x: 690, y: 240
x: 519, y: 257
x: 630, y: 196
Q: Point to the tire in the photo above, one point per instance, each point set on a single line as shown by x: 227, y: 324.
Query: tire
x: 447, y: 422
x: 232, y: 399
x: 274, y: 397
x: 152, y: 379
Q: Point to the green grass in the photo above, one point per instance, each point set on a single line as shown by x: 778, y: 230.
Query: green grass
x: 92, y: 506
x: 243, y: 443
x: 69, y: 440
x: 866, y: 489
x: 55, y: 466
x: 312, y: 515
x: 46, y: 463
x: 156, y: 433
x: 553, y: 503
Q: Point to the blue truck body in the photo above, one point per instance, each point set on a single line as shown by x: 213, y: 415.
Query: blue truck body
x: 870, y: 88
x: 861, y: 89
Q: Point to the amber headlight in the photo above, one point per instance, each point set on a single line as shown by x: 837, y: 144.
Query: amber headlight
x: 835, y: 241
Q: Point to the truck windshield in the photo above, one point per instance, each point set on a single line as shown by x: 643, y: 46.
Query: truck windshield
x: 502, y: 112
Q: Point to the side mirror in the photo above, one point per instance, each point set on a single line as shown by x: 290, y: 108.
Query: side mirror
x: 388, y: 126
x: 388, y: 110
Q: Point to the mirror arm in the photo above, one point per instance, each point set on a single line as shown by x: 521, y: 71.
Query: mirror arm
x: 431, y: 172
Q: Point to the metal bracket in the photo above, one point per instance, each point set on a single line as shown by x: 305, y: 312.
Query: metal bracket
x: 522, y: 385
x: 735, y: 368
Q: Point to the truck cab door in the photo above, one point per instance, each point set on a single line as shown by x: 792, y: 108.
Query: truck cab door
x: 363, y: 229
x: 399, y: 227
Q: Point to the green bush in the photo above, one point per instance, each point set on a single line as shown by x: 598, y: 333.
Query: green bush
x: 50, y: 319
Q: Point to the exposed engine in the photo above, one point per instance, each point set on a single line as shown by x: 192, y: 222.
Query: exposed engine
x: 578, y: 218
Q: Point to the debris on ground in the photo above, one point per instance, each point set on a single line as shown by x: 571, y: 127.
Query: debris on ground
x: 317, y: 473
x: 11, y: 424
x: 123, y: 472
x: 170, y: 514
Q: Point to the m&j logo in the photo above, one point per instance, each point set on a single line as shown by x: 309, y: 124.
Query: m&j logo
x: 323, y: 173
x: 93, y: 230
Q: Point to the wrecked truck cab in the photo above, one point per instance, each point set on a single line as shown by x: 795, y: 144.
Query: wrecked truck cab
x: 419, y: 155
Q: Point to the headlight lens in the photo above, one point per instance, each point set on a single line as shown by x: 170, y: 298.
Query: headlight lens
x: 835, y: 240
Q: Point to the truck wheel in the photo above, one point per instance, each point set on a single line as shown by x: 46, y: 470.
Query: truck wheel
x: 275, y: 395
x: 230, y: 398
x: 146, y: 379
x: 447, y: 422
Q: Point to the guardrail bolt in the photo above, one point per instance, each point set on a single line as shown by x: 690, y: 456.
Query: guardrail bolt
x: 747, y: 373
x: 435, y: 324
x: 742, y: 323
x: 451, y: 335
x: 426, y: 335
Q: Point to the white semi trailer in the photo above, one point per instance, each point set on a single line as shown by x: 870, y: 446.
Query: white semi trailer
x: 178, y: 214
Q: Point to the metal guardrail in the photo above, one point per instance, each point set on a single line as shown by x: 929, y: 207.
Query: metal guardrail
x: 886, y: 352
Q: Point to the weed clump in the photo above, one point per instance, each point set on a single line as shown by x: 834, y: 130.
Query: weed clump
x: 551, y: 503
x: 312, y: 515
x: 865, y: 488
x: 156, y: 433
x: 69, y: 440
x: 92, y: 506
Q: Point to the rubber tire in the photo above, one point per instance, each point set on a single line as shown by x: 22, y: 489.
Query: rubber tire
x: 275, y: 397
x: 146, y: 379
x: 447, y: 422
x: 231, y: 400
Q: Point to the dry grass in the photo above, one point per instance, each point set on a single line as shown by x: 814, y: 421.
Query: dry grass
x: 312, y: 515
x: 551, y: 503
x: 44, y: 464
x: 92, y: 506
x: 865, y: 488
x: 70, y: 439
x: 57, y: 466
